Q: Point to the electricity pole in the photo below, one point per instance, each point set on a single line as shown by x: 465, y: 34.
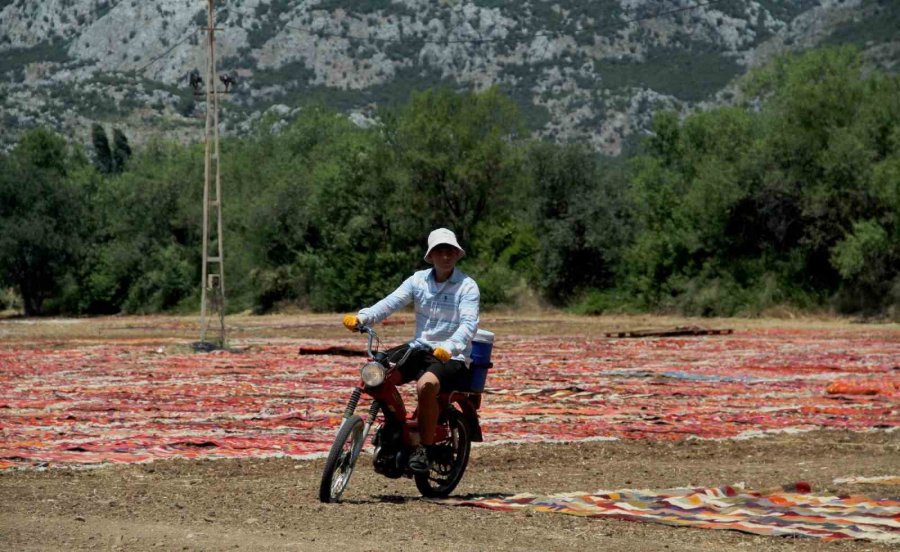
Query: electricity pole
x: 212, y: 281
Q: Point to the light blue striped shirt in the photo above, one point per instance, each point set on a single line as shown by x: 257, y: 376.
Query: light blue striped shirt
x: 446, y: 312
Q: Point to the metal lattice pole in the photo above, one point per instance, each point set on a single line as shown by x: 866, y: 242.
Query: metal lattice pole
x: 212, y: 282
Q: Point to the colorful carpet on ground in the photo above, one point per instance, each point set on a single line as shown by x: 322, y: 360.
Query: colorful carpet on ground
x: 69, y: 402
x: 791, y: 511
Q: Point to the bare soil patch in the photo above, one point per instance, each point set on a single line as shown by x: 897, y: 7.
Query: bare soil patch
x: 272, y: 504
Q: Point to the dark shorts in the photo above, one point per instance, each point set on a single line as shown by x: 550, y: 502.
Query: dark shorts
x: 452, y: 375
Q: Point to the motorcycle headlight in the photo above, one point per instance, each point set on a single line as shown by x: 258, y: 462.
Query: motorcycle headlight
x: 372, y: 374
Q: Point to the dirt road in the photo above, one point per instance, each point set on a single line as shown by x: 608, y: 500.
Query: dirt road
x: 272, y: 505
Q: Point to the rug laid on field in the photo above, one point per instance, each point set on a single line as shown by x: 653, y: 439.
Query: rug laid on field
x: 96, y: 401
x: 788, y: 511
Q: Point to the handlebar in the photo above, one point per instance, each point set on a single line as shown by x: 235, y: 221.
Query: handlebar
x: 372, y: 337
x: 418, y: 346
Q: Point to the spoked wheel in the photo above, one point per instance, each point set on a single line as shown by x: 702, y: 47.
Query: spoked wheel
x: 341, y: 460
x: 452, y: 457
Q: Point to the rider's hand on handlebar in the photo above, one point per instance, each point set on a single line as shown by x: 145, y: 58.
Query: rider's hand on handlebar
x: 351, y: 322
x: 441, y: 354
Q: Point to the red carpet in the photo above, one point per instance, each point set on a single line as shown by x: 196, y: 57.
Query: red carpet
x: 70, y: 404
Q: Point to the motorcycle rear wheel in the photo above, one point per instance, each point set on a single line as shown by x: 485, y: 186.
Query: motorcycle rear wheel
x: 447, y: 470
x: 341, y: 460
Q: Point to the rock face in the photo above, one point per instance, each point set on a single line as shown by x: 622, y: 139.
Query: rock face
x: 589, y: 72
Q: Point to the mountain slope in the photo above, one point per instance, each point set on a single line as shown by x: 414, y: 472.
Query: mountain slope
x: 588, y: 71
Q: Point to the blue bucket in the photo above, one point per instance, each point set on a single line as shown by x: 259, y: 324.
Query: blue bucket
x: 482, y: 345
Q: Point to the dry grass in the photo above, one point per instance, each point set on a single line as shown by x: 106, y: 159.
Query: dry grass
x: 246, y: 327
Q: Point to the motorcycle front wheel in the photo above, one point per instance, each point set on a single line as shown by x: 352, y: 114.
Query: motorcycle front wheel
x: 452, y: 457
x: 341, y: 460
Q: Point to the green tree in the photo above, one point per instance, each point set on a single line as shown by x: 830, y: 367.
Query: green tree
x: 323, y: 229
x: 868, y: 256
x: 683, y: 195
x: 579, y: 216
x: 737, y: 209
x: 40, y: 215
x: 121, y: 151
x: 827, y: 127
x: 103, y: 158
x: 458, y: 150
x: 344, y: 212
x: 145, y: 251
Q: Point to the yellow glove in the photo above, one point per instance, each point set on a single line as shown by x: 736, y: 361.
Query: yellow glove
x: 351, y: 322
x: 441, y: 354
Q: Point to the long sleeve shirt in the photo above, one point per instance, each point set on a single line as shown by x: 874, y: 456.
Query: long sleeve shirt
x: 446, y: 312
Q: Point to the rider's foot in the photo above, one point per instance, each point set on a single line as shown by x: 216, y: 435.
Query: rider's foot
x: 419, y: 462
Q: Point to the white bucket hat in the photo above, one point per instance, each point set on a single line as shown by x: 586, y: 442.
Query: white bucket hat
x: 442, y: 236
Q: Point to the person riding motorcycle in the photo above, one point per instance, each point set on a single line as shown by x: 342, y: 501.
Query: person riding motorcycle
x: 446, y: 304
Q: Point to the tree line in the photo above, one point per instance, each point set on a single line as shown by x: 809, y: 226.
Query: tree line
x: 791, y: 197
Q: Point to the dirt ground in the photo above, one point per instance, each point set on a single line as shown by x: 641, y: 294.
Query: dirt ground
x: 271, y: 504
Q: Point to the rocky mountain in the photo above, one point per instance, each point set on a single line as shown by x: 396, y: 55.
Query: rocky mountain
x: 581, y: 70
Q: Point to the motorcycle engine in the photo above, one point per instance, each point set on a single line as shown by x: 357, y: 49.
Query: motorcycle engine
x: 390, y: 459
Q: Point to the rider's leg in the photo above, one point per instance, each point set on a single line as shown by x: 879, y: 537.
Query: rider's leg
x: 428, y: 388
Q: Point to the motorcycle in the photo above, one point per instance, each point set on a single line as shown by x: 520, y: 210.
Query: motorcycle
x: 397, y: 434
